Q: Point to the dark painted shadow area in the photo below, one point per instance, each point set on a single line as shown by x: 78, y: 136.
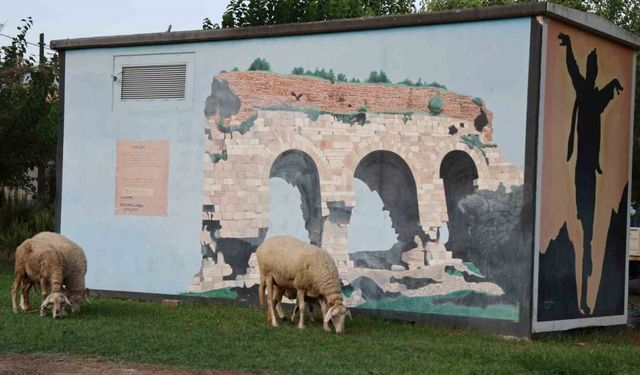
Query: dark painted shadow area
x: 557, y: 298
x: 299, y: 170
x: 491, y: 235
x: 458, y: 172
x: 389, y: 175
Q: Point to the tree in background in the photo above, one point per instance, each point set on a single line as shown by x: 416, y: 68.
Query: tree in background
x: 28, y: 134
x: 29, y: 116
x: 242, y: 13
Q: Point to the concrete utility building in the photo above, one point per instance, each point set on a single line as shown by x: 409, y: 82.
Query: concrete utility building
x: 468, y: 167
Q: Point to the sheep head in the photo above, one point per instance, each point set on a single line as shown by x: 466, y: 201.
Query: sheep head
x: 77, y: 297
x: 337, y: 314
x: 55, y: 301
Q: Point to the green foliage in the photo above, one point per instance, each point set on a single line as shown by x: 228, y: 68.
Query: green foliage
x: 439, y: 5
x: 243, y: 128
x: 321, y: 73
x: 378, y: 77
x: 218, y: 156
x: 409, y: 82
x: 241, y: 13
x: 235, y: 69
x: 11, y: 237
x: 28, y: 116
x: 260, y: 64
x: 43, y: 220
x: 21, y: 218
x: 324, y: 74
x: 419, y: 83
x: 435, y: 105
x: 207, y: 24
x: 477, y: 101
x: 436, y: 85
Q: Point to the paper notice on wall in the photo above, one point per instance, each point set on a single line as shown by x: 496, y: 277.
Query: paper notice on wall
x: 142, y: 178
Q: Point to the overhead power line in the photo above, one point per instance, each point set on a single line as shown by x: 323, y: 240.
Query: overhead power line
x: 30, y: 43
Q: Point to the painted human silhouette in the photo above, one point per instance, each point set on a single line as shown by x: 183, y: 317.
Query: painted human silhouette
x: 588, y: 107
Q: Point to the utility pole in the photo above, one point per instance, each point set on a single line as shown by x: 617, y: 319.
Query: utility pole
x: 41, y: 45
x: 41, y: 168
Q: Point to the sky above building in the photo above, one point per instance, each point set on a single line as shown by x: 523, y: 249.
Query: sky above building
x: 63, y: 19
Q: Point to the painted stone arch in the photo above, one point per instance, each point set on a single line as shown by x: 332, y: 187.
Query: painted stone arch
x: 389, y: 175
x: 443, y: 148
x: 298, y: 169
x: 281, y: 145
x: 458, y: 172
x: 361, y: 150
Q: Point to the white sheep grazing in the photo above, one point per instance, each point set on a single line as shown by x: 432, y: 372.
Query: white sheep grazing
x: 38, y: 262
x: 310, y: 270
x: 75, y: 267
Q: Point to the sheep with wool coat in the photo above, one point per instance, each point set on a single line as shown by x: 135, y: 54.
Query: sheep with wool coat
x: 75, y: 266
x: 310, y: 270
x: 39, y: 262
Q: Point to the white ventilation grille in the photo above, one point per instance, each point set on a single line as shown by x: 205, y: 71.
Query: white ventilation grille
x: 154, y: 82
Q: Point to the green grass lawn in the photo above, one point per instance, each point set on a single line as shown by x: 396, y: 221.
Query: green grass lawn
x: 238, y: 338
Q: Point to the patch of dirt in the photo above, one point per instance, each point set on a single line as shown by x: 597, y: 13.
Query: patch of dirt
x: 59, y: 364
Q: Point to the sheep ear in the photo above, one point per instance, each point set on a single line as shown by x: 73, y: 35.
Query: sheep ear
x: 66, y: 300
x: 328, y: 315
x: 349, y: 313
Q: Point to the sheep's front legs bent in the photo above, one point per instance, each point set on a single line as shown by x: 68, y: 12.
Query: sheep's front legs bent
x: 270, y: 301
x: 300, y: 298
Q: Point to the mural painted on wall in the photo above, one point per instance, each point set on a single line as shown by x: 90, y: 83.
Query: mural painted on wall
x: 585, y: 167
x: 402, y: 183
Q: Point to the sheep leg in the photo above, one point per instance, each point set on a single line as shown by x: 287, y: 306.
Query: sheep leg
x: 300, y: 298
x: 43, y: 287
x: 323, y: 308
x: 261, y: 289
x: 277, y: 300
x: 17, y: 282
x: 24, y: 298
x: 270, y: 312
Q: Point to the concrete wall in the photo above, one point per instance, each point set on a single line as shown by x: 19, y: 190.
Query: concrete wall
x: 218, y: 208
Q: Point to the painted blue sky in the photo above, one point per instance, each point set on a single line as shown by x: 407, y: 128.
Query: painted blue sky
x: 487, y: 59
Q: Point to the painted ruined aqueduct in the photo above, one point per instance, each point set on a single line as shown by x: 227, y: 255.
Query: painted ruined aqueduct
x: 320, y: 135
